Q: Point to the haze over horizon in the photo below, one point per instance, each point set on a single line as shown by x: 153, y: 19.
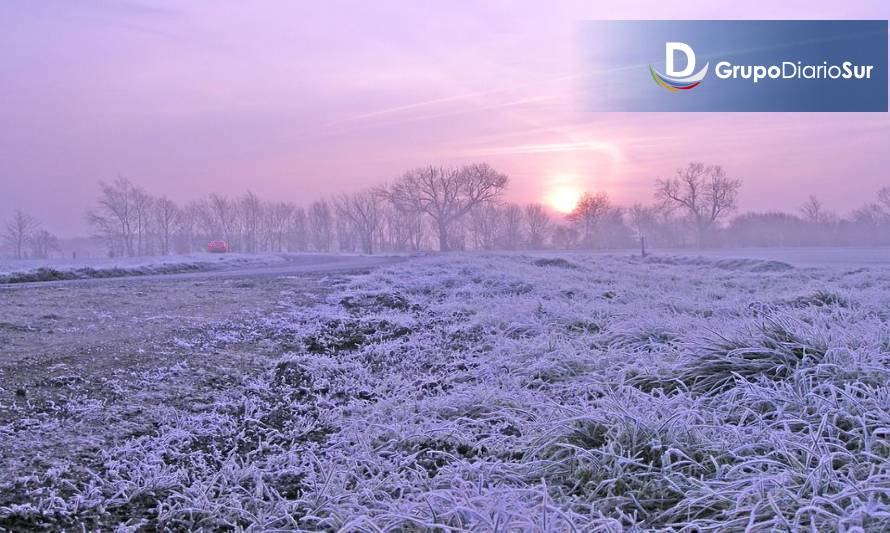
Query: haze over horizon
x: 300, y: 101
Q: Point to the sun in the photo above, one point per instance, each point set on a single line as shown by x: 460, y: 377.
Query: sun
x: 563, y: 198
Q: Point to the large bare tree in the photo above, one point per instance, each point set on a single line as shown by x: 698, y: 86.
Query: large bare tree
x: 18, y: 232
x: 113, y: 217
x: 446, y: 195
x: 124, y: 216
x: 706, y: 193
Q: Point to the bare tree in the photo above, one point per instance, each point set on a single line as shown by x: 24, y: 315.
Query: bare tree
x: 446, y: 195
x: 404, y: 230
x: 483, y: 226
x: 643, y: 222
x: 142, y: 204
x: 18, y: 231
x: 588, y: 214
x: 113, y: 215
x: 704, y: 192
x: 564, y: 237
x: 822, y: 224
x: 278, y: 224
x: 297, y: 231
x: 414, y: 226
x: 537, y: 226
x: 511, y: 227
x: 167, y: 216
x: 207, y: 227
x: 250, y: 211
x: 320, y: 222
x: 362, y: 212
x: 344, y: 232
x: 187, y: 225
x: 613, y: 231
x: 814, y: 212
x: 221, y: 219
x: 42, y: 243
x: 642, y: 219
x: 865, y: 224
x: 884, y: 199
x: 124, y: 215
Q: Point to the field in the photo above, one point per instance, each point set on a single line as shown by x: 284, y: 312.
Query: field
x: 509, y: 392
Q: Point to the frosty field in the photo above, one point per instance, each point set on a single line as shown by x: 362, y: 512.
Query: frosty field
x: 455, y: 392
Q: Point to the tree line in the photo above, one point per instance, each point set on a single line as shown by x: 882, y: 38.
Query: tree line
x: 454, y: 208
x: 427, y: 206
x: 25, y: 238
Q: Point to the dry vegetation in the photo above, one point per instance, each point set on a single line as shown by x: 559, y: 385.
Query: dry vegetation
x: 508, y: 392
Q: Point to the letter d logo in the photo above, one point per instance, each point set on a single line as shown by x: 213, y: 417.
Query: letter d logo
x: 682, y: 80
x: 669, y: 50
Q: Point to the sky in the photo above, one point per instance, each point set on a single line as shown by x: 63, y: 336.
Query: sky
x: 297, y: 100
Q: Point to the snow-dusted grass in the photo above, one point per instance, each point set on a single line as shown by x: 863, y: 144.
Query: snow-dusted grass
x: 507, y: 393
x: 803, y: 256
x: 58, y: 269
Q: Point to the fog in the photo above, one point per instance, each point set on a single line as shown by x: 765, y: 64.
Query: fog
x: 444, y: 209
x: 300, y: 102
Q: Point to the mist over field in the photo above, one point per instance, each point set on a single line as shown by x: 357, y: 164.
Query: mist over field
x: 446, y: 209
x: 369, y: 266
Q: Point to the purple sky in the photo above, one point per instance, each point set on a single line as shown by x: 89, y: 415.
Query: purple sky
x: 296, y: 100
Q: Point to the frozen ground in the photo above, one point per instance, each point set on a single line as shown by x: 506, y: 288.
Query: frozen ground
x: 805, y: 256
x: 64, y: 269
x: 459, y: 392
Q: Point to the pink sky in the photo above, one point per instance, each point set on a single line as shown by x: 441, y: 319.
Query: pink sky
x: 296, y: 100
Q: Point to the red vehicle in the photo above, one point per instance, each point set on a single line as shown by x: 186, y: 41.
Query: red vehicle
x: 217, y: 247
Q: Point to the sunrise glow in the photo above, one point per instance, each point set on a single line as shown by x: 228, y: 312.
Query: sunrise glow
x: 563, y: 198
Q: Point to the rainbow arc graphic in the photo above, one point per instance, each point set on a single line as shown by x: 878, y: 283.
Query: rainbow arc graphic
x: 675, y: 84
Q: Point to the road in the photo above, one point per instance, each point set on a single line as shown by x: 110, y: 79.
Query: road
x: 295, y: 266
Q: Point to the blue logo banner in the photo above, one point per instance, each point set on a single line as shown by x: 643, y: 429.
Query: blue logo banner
x: 735, y: 65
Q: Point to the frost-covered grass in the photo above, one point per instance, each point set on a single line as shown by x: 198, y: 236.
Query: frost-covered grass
x: 804, y: 256
x: 512, y: 393
x: 61, y: 269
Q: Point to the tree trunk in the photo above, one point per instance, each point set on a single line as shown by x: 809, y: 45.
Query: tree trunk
x: 443, y: 237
